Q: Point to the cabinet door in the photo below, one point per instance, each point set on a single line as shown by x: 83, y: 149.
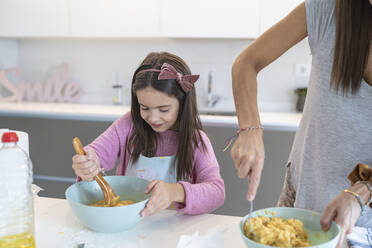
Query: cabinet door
x: 210, y: 18
x: 34, y: 18
x: 273, y: 11
x: 114, y: 18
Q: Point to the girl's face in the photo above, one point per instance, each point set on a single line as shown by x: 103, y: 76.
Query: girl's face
x: 158, y: 109
x: 370, y: 1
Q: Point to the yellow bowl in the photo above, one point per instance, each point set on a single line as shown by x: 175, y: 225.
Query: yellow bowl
x: 311, y: 223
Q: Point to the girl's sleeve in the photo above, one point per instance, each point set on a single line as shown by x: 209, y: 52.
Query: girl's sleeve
x: 208, y: 191
x: 109, y: 144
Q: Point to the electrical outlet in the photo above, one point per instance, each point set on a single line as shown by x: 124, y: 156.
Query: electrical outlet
x: 302, y: 70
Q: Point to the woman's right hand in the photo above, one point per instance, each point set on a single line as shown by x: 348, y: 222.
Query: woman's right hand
x: 86, y: 166
x: 248, y: 154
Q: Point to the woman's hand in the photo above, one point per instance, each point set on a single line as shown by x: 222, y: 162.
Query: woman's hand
x: 344, y: 210
x: 86, y: 166
x: 162, y: 196
x: 248, y: 154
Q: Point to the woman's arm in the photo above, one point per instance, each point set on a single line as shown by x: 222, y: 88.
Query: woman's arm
x: 345, y: 210
x: 204, y: 192
x: 248, y: 150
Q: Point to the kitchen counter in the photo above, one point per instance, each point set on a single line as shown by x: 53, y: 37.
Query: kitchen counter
x: 56, y: 226
x: 280, y: 121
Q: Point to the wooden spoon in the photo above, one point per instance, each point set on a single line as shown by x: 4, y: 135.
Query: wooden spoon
x: 109, y: 195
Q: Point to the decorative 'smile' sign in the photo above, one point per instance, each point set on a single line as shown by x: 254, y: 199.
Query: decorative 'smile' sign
x: 56, y: 89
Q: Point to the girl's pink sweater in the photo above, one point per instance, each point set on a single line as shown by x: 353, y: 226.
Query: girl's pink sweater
x: 205, y: 189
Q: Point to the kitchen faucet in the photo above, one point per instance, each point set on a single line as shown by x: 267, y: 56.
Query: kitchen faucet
x: 212, y: 99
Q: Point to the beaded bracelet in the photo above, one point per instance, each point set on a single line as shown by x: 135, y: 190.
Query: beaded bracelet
x: 366, y: 183
x: 230, y: 140
x: 358, y: 198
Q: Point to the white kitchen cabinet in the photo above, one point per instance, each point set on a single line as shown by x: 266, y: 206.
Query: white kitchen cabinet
x: 141, y: 18
x: 114, y: 18
x: 273, y: 11
x: 210, y: 18
x: 36, y: 18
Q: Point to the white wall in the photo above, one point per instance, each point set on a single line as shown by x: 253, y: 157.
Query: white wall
x: 8, y: 58
x: 8, y: 53
x: 93, y: 64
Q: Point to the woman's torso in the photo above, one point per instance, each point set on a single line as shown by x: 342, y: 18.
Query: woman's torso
x: 335, y: 132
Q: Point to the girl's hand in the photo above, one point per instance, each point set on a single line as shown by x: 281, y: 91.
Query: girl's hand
x: 345, y: 211
x: 163, y: 194
x: 248, y: 154
x: 86, y: 166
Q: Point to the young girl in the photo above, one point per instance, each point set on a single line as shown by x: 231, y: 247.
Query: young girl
x: 162, y: 140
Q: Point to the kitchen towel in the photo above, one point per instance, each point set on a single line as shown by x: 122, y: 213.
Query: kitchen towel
x: 212, y: 239
x: 361, y: 237
x: 35, y: 190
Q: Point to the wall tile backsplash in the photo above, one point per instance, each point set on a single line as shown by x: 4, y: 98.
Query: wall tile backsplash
x: 94, y: 62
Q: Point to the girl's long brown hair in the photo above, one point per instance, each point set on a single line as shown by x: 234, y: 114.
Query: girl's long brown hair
x: 144, y: 139
x: 352, y: 44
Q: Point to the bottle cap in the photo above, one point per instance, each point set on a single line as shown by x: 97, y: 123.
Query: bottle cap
x: 9, y: 137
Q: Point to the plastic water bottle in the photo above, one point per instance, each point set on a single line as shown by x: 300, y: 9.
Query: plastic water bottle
x: 16, y: 199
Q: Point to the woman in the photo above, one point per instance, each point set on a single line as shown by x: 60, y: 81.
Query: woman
x: 335, y: 132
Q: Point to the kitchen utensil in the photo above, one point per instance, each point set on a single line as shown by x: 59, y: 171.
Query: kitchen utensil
x: 311, y: 223
x: 103, y: 219
x: 108, y: 193
x: 251, y: 230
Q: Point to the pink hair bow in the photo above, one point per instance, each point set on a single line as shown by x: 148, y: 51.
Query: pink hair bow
x: 168, y: 71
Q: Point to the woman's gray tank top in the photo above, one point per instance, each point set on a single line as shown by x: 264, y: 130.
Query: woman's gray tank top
x: 335, y: 132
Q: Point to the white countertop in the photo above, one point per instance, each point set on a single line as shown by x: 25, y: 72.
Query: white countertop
x: 281, y: 121
x: 57, y: 227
